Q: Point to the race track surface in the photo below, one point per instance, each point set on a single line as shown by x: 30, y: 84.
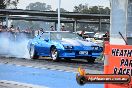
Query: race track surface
x: 45, y: 73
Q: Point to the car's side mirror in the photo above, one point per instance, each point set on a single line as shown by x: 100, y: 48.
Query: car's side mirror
x: 46, y: 39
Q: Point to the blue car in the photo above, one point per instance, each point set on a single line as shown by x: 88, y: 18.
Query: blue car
x: 64, y: 45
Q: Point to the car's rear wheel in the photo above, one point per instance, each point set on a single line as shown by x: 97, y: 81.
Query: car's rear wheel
x: 54, y: 54
x: 91, y: 59
x: 33, y: 53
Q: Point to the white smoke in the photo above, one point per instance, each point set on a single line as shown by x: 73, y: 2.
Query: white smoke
x: 14, y: 45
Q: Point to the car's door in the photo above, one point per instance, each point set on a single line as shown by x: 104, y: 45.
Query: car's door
x: 43, y: 45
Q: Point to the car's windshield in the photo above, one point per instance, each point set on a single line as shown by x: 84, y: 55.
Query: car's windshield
x: 63, y: 35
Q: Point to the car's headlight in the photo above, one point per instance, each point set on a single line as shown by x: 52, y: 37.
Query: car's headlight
x: 68, y: 47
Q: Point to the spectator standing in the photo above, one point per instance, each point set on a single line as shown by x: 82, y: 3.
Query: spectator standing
x: 106, y: 34
x: 52, y: 28
x: 63, y: 28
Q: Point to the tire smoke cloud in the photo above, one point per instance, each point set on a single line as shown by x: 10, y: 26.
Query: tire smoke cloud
x: 14, y: 44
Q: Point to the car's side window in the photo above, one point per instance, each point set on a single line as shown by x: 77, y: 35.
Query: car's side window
x: 45, y: 36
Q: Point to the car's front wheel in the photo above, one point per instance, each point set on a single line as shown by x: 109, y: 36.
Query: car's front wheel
x: 54, y: 54
x: 33, y: 53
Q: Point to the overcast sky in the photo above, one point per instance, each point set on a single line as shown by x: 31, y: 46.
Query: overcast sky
x: 66, y: 4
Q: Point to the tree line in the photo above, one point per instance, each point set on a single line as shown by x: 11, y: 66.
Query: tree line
x: 43, y: 7
x: 6, y: 4
x: 81, y: 8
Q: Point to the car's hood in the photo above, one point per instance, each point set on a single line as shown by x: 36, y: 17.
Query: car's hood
x: 77, y: 42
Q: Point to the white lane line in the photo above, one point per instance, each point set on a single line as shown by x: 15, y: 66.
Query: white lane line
x: 42, y: 68
x: 19, y: 84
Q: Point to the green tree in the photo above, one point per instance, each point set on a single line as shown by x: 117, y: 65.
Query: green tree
x: 91, y: 10
x: 38, y: 6
x: 34, y: 24
x: 61, y: 10
x: 81, y: 8
x: 11, y: 4
x: 15, y: 3
x: 94, y: 10
x: 2, y: 4
x: 107, y: 10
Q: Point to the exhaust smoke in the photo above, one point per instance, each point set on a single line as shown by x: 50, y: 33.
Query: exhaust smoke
x: 14, y: 44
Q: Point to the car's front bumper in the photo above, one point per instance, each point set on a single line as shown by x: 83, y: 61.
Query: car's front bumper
x: 76, y: 54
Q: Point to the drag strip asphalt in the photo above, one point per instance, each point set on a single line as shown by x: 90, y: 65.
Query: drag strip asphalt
x: 69, y: 66
x: 43, y: 77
